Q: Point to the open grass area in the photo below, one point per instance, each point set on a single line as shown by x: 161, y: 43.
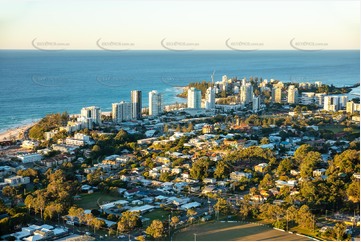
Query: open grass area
x: 157, y: 214
x: 337, y: 128
x: 90, y: 201
x: 216, y: 231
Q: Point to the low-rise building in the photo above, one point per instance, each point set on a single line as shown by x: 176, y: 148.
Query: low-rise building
x: 30, y: 157
x: 29, y: 144
x: 236, y: 175
x: 17, y: 180
x: 261, y: 167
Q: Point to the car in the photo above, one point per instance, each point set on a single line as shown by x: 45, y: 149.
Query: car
x: 121, y: 236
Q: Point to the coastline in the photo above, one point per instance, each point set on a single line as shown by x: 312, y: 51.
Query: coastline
x: 16, y: 133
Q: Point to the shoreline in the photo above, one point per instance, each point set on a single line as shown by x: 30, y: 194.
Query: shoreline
x: 16, y: 133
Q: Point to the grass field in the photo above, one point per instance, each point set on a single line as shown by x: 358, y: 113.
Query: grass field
x: 157, y: 214
x: 89, y: 201
x: 216, y: 231
x: 337, y: 128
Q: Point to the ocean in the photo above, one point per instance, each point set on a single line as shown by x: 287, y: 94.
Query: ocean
x: 34, y: 83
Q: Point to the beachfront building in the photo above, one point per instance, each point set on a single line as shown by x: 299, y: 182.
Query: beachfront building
x: 194, y: 98
x: 136, y: 100
x: 90, y: 115
x: 292, y: 94
x: 331, y: 103
x: 121, y: 112
x: 155, y: 103
x: 277, y: 95
x: 210, y: 98
x: 343, y: 101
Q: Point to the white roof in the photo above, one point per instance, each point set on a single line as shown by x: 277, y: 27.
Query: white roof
x: 112, y: 204
x: 142, y: 208
x: 190, y: 205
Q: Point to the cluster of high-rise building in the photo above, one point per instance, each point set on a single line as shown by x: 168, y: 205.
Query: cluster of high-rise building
x: 194, y: 99
x: 334, y: 103
x: 125, y: 111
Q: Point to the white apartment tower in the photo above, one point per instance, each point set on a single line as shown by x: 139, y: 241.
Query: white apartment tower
x: 246, y: 93
x: 194, y: 98
x: 136, y: 100
x: 352, y: 107
x: 210, y: 98
x: 277, y: 95
x: 155, y: 103
x: 121, y: 112
x: 292, y: 94
x: 331, y: 103
x: 256, y: 104
x: 91, y: 114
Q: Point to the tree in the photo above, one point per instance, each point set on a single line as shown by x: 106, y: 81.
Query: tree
x: 174, y: 221
x: 301, y: 152
x: 97, y: 223
x: 267, y: 181
x: 39, y: 202
x: 339, y: 231
x: 164, y: 177
x: 222, y: 206
x: 190, y: 214
x: 353, y: 192
x: 10, y: 192
x: 29, y: 200
x: 264, y: 141
x: 122, y: 136
x: 52, y: 210
x: 199, y: 169
x: 304, y: 217
x: 347, y: 162
x: 128, y: 221
x: 309, y: 163
x: 222, y: 169
x: 155, y: 229
x: 271, y: 212
x: 76, y: 212
x: 308, y: 191
x: 284, y: 167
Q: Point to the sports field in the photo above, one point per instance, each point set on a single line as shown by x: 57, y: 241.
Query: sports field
x: 218, y: 231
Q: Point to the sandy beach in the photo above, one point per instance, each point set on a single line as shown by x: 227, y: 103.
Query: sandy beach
x: 15, y: 133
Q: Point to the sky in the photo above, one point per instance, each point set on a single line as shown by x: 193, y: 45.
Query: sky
x: 179, y: 25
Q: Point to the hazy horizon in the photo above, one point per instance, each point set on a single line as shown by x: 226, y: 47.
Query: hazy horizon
x: 180, y: 25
